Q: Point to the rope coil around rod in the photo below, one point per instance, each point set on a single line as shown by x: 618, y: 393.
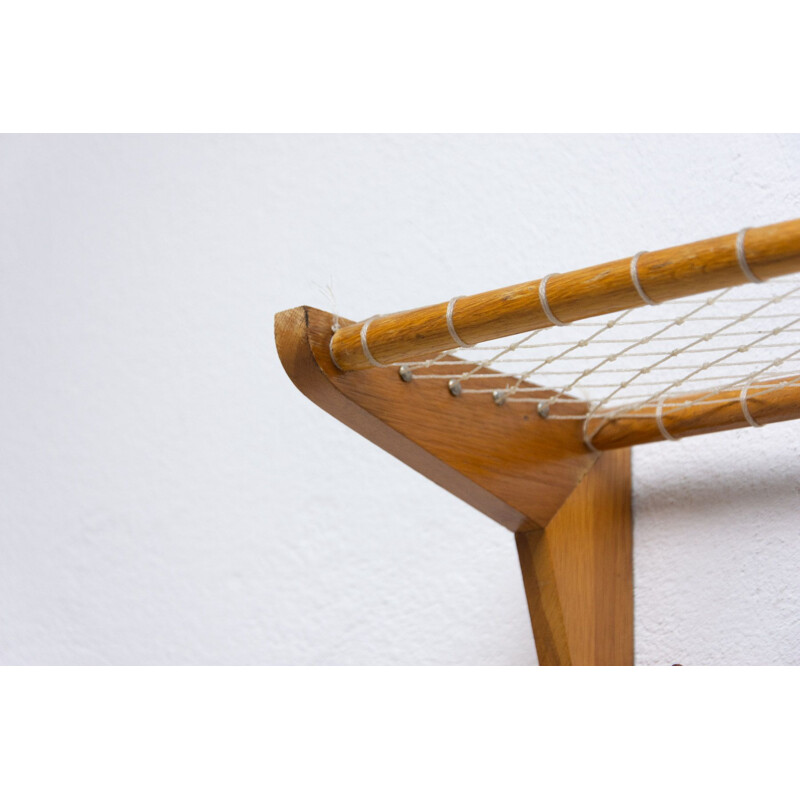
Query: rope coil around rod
x: 450, y: 326
x: 364, y: 346
x: 548, y: 312
x: 636, y: 282
x: 660, y: 421
x: 742, y: 258
x: 745, y: 410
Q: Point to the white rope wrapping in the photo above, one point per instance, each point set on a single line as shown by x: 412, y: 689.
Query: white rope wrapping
x: 635, y: 278
x: 660, y: 422
x: 639, y: 363
x: 543, y: 300
x: 365, y: 347
x: 745, y: 410
x: 745, y: 267
x: 333, y: 357
x: 450, y: 326
x: 587, y: 440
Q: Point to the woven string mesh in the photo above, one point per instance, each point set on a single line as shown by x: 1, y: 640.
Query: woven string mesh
x: 627, y: 363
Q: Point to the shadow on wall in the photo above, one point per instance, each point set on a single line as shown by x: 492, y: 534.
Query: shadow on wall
x: 751, y: 482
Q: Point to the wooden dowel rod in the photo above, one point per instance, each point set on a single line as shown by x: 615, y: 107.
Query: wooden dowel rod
x: 711, y: 264
x: 765, y: 401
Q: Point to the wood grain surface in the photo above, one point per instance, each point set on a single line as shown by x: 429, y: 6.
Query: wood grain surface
x: 771, y: 251
x: 569, y: 508
x: 578, y: 572
x: 506, y: 461
x: 718, y: 411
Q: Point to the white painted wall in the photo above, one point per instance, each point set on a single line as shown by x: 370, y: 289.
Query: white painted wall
x: 167, y: 496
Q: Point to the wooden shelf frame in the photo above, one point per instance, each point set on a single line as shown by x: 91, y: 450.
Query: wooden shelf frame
x: 562, y: 485
x: 569, y: 507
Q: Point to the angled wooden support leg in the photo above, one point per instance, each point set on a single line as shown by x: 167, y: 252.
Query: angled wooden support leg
x: 569, y: 508
x: 578, y: 572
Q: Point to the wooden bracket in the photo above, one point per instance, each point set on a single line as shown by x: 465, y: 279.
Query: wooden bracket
x: 569, y: 507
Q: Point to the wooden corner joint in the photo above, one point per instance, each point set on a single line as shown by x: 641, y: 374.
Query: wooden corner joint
x: 569, y: 507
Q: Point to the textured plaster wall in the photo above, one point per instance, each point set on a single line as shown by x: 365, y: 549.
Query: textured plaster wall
x: 167, y: 496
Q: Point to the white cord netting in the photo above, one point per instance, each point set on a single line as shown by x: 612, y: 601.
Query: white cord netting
x: 626, y: 364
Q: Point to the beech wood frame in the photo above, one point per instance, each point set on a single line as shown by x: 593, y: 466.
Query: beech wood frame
x: 569, y: 508
x: 564, y: 491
